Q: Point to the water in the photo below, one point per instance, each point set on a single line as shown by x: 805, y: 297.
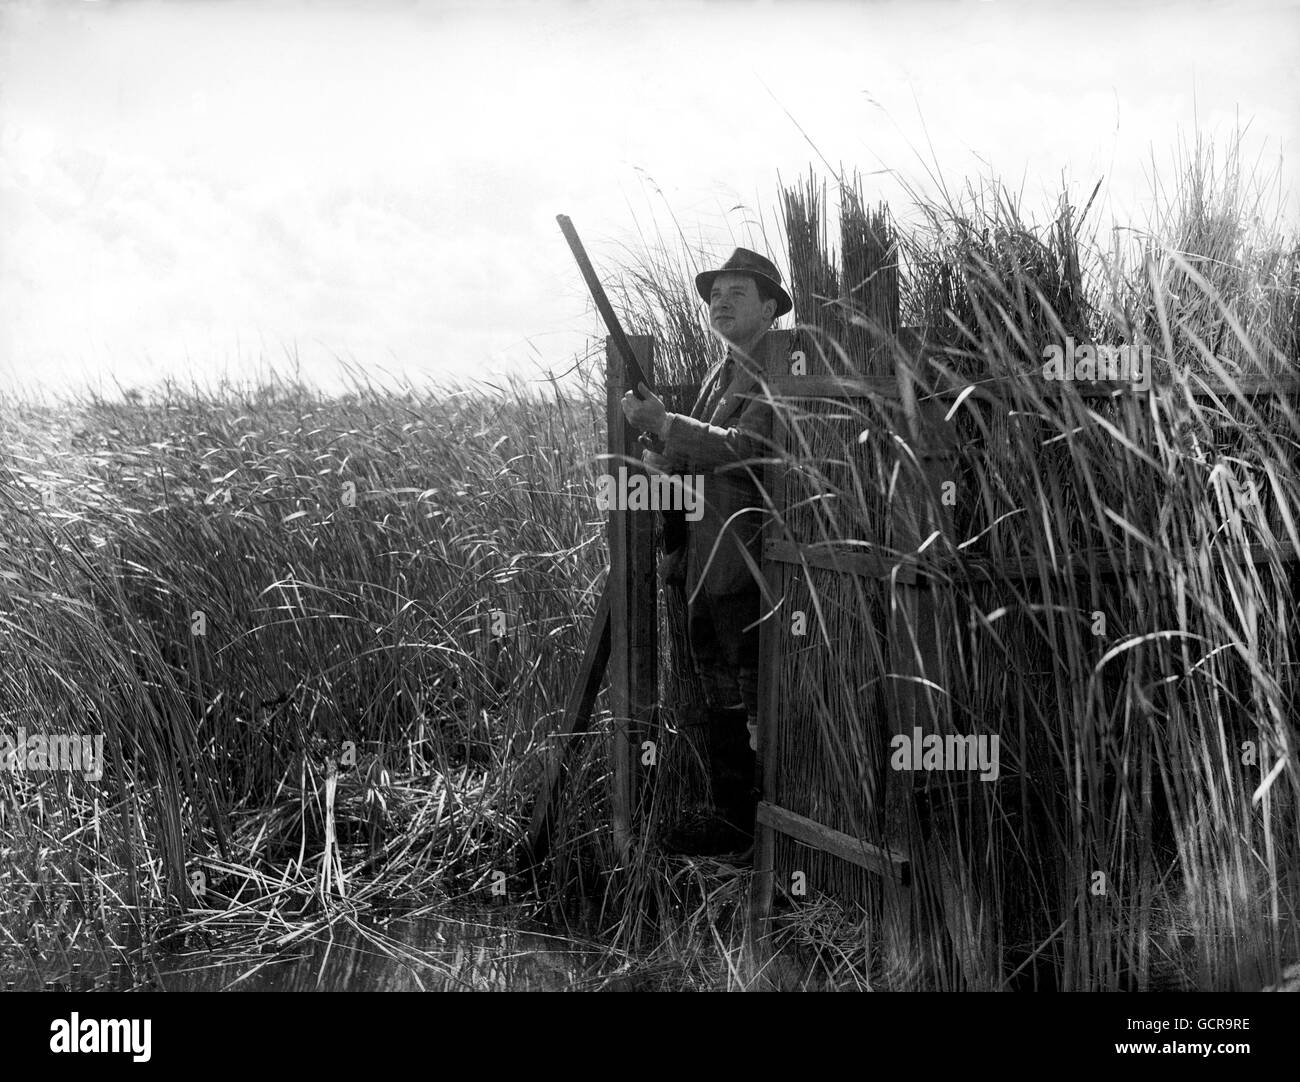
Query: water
x: 402, y: 955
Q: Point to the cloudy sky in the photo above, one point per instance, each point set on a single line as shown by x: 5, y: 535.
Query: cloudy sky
x: 200, y: 187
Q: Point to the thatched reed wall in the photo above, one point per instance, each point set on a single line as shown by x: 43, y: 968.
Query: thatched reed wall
x: 1100, y: 578
x: 1104, y: 595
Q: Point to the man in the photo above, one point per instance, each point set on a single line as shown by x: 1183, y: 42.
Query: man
x: 724, y: 439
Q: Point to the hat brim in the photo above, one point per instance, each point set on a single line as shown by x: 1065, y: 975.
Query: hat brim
x: 704, y: 286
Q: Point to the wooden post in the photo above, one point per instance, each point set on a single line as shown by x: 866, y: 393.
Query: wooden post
x: 914, y: 642
x: 634, y: 627
x: 577, y: 712
x: 769, y: 703
x: 769, y: 640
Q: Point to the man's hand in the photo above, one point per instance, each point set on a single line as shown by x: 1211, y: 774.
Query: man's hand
x: 647, y: 413
x: 655, y: 463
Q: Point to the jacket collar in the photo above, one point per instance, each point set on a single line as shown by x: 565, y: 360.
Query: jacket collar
x: 755, y: 362
x: 746, y: 371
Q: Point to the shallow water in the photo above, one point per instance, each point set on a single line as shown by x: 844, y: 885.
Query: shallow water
x: 402, y: 955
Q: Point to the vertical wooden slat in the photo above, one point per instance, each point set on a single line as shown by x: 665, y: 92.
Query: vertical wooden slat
x: 769, y: 638
x: 577, y: 713
x: 634, y: 629
x: 768, y: 719
x: 914, y: 644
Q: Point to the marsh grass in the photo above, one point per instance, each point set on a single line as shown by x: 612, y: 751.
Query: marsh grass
x: 325, y: 623
x: 1126, y: 750
x: 371, y: 622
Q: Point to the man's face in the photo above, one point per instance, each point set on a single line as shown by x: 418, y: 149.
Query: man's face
x: 736, y: 311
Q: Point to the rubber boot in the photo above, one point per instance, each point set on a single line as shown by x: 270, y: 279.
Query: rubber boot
x: 730, y: 828
x: 732, y: 773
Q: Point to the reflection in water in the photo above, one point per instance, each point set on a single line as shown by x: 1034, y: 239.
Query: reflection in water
x: 404, y: 955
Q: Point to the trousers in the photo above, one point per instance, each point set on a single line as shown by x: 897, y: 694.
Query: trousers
x: 726, y: 655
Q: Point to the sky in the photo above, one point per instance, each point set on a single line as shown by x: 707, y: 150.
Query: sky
x: 208, y: 187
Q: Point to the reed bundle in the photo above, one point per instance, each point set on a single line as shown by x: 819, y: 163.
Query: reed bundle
x: 1156, y: 745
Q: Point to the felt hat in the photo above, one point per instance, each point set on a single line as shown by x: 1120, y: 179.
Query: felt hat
x: 761, y: 269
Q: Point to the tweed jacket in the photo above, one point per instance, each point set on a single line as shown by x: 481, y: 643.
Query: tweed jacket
x: 726, y: 449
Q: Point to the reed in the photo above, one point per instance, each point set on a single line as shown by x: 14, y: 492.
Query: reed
x: 1123, y: 743
x: 326, y: 621
x: 334, y: 614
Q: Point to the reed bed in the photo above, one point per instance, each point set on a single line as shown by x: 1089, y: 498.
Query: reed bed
x: 326, y: 638
x: 1139, y: 836
x: 347, y: 557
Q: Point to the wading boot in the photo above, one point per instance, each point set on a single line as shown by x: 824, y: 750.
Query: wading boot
x: 730, y: 827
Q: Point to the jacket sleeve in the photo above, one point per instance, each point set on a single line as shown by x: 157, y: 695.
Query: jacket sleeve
x: 708, y: 447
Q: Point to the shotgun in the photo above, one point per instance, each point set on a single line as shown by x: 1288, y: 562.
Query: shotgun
x: 674, y: 521
x: 630, y: 366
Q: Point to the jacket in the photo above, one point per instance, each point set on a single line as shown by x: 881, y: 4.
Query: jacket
x: 726, y: 450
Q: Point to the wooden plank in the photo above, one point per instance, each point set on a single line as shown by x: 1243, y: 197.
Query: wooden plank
x: 618, y: 445
x: 1249, y: 386
x: 927, y: 572
x: 994, y: 387
x: 1079, y: 563
x: 787, y: 386
x: 770, y: 636
x: 577, y: 715
x: 873, y: 858
x: 769, y: 700
x: 634, y: 625
x: 847, y: 562
x: 913, y: 648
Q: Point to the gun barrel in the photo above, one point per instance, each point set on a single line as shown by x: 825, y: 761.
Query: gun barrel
x: 635, y: 376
